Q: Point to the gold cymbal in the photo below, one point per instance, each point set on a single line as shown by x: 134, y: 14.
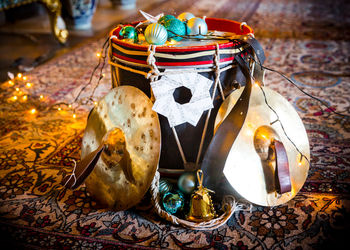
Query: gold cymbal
x: 249, y: 167
x: 125, y: 122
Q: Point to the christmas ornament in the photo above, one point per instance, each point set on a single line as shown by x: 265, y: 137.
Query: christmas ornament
x: 173, y: 202
x: 201, y: 205
x: 176, y: 112
x: 185, y: 16
x: 155, y: 33
x: 175, y: 27
x: 149, y: 18
x: 187, y: 182
x: 164, y: 186
x: 165, y: 18
x: 197, y: 26
x: 128, y: 33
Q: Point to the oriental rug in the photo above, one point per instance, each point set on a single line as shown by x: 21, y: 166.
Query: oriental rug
x: 307, y: 40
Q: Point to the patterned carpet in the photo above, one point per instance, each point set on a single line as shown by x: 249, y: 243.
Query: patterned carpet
x: 307, y: 40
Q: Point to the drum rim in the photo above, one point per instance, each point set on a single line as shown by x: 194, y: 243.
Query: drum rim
x: 213, y: 23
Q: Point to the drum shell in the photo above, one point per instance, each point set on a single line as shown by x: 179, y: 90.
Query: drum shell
x: 189, y: 136
x: 134, y: 57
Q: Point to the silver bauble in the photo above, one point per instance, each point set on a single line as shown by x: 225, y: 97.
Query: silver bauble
x: 187, y: 182
x: 197, y: 26
x: 156, y: 34
x: 185, y: 16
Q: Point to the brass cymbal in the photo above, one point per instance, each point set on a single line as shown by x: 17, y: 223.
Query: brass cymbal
x: 249, y: 169
x: 125, y: 122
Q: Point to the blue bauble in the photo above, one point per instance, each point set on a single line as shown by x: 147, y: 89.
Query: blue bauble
x: 187, y: 182
x: 197, y: 26
x: 129, y: 33
x: 155, y: 33
x: 174, y: 25
x: 164, y: 186
x: 165, y: 18
x: 173, y: 202
x: 185, y: 16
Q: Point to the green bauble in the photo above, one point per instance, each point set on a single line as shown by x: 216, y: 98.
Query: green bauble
x: 129, y: 33
x: 187, y: 182
x: 174, y: 25
x: 165, y: 18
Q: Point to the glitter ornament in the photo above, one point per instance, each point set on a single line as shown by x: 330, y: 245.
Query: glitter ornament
x: 175, y: 26
x: 164, y: 186
x: 165, y: 18
x: 173, y: 202
x: 128, y: 33
x: 155, y: 33
x: 187, y: 182
x: 185, y: 16
x: 197, y: 26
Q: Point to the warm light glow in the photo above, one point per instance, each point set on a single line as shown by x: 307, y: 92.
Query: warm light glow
x: 24, y: 98
x: 171, y: 42
x: 11, y: 83
x: 41, y: 96
x: 249, y: 132
x: 28, y: 84
x: 95, y: 103
x: 59, y: 109
x: 25, y: 78
x: 17, y: 89
x: 263, y: 136
x: 103, y: 74
x: 299, y: 164
x: 19, y: 75
x: 70, y: 105
x: 74, y: 116
x: 98, y: 54
x: 33, y: 111
x: 256, y: 84
x: 14, y: 98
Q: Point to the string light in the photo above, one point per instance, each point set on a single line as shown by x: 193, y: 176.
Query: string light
x: 33, y: 111
x: 95, y: 103
x: 59, y: 108
x: 70, y: 105
x: 25, y: 78
x: 98, y: 54
x: 11, y: 83
x: 28, y: 84
x: 41, y: 97
x: 14, y: 98
x: 25, y: 98
x: 74, y: 116
x: 19, y: 75
x: 17, y: 89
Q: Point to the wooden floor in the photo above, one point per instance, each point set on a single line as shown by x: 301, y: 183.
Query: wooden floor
x: 26, y: 42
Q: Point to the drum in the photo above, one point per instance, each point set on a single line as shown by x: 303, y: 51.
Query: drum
x: 131, y: 65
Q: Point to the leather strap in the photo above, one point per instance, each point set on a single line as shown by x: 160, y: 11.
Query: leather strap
x: 215, y: 157
x: 83, y: 169
x: 283, y: 183
x: 257, y: 48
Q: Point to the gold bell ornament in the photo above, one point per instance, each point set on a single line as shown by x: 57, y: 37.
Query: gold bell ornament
x: 201, y: 206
